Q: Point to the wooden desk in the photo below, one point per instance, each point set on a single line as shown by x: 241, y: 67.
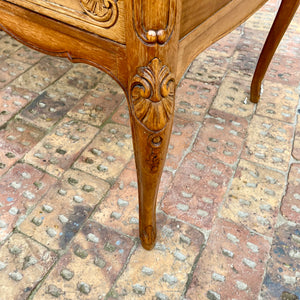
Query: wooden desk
x: 146, y: 46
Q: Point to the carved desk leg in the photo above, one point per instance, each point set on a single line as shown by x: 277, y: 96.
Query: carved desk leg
x: 152, y: 43
x: 151, y: 100
x: 283, y: 18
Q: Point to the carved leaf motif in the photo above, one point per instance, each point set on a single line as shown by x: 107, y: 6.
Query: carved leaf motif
x: 104, y: 11
x: 152, y: 95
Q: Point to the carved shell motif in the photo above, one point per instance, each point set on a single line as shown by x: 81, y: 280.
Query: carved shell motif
x: 152, y: 95
x: 104, y: 11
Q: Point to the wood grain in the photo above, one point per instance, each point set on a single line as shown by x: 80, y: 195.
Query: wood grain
x: 71, y: 12
x: 146, y: 49
x: 195, y: 12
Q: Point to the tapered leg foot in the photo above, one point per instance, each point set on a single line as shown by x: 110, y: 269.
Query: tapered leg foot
x: 255, y: 92
x: 151, y: 102
x: 283, y: 18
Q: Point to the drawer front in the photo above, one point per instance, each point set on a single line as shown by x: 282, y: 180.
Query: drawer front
x: 194, y: 12
x: 103, y: 17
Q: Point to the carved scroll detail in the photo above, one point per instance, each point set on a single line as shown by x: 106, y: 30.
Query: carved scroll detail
x: 104, y: 11
x: 151, y: 36
x: 152, y: 95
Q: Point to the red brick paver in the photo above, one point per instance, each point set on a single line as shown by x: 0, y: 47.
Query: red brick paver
x: 22, y: 187
x: 231, y: 266
x: 17, y: 139
x: 222, y: 136
x: 296, y: 148
x: 253, y: 199
x: 24, y: 263
x: 197, y: 191
x: 282, y: 277
x: 101, y: 251
x: 290, y: 206
x: 228, y: 205
x: 12, y: 100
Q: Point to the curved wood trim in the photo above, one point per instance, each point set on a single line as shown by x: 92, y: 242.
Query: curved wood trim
x: 66, y: 41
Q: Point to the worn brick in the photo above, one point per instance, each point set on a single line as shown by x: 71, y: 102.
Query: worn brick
x: 96, y: 107
x: 285, y: 70
x: 290, y: 206
x: 290, y: 44
x: 13, y: 100
x: 294, y: 26
x: 56, y: 152
x: 24, y: 264
x: 208, y: 68
x: 232, y: 97
x: 76, y: 82
x: 8, y: 45
x: 193, y: 100
x: 41, y: 75
x: 119, y: 210
x: 164, y: 270
x: 10, y: 69
x: 270, y: 6
x: 269, y: 143
x: 243, y: 61
x: 282, y: 275
x: 278, y: 102
x: 22, y: 187
x: 235, y: 276
x: 254, y: 197
x: 63, y: 210
x: 182, y: 137
x: 251, y: 41
x: 103, y: 260
x: 261, y: 21
x: 108, y: 80
x: 296, y: 148
x: 16, y: 139
x: 108, y: 154
x: 197, y: 190
x: 122, y: 115
x: 27, y: 55
x: 47, y: 109
x: 221, y: 136
x: 226, y: 46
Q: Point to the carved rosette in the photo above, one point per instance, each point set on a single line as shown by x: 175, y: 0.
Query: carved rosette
x: 104, y: 11
x: 149, y: 35
x: 153, y: 95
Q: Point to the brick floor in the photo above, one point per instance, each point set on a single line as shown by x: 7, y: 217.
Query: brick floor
x: 228, y: 209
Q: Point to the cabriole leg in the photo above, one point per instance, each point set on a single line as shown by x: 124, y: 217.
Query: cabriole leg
x: 283, y: 18
x: 151, y: 102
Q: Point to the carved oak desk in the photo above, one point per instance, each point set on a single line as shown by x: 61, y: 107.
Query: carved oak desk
x: 146, y: 46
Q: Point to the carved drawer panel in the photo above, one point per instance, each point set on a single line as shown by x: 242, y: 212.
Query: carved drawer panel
x: 103, y: 17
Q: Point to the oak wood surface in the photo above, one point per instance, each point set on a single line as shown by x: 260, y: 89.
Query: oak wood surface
x: 146, y: 47
x: 71, y: 12
x: 194, y: 12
